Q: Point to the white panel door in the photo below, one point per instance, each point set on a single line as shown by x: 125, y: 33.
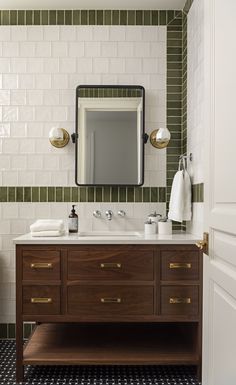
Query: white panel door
x: 219, y: 326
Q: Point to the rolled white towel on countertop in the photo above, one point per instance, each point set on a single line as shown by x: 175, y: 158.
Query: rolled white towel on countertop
x: 48, y: 233
x: 47, y: 225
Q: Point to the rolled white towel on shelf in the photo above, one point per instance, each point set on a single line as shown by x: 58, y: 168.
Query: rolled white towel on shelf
x: 48, y: 233
x: 47, y: 225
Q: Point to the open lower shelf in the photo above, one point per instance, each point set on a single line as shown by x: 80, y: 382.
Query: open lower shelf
x: 112, y: 344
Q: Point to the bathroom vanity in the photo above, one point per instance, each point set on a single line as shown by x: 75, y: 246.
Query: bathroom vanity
x: 109, y: 301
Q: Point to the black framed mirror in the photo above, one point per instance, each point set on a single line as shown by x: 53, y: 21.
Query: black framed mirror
x: 109, y: 138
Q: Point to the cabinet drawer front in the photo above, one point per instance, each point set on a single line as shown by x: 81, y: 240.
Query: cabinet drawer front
x: 179, y: 265
x: 41, y: 265
x: 41, y: 300
x: 109, y: 300
x: 179, y: 300
x: 110, y: 265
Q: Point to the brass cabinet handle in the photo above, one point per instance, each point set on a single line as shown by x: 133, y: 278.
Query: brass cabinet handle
x: 111, y: 300
x: 41, y: 300
x: 41, y: 265
x: 179, y: 300
x: 111, y: 265
x: 180, y: 265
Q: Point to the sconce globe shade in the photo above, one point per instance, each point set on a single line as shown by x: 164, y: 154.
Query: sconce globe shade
x: 160, y: 138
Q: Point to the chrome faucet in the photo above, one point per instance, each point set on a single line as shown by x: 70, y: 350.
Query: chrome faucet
x: 109, y: 214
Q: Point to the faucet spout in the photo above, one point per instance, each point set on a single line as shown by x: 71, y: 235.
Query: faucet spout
x: 109, y: 214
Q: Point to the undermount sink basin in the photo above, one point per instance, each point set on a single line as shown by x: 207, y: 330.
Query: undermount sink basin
x: 112, y: 234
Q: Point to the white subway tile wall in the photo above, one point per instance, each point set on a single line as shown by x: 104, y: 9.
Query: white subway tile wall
x: 195, y: 105
x: 40, y: 68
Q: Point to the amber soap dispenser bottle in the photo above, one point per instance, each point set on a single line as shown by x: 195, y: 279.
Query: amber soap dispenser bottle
x: 73, y: 223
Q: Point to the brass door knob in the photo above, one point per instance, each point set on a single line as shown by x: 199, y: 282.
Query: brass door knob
x: 201, y: 244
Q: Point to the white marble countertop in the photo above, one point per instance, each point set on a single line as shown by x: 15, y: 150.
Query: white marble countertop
x: 112, y: 238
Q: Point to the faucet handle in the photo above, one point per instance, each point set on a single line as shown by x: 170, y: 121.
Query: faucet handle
x: 121, y: 213
x: 109, y: 214
x: 97, y: 214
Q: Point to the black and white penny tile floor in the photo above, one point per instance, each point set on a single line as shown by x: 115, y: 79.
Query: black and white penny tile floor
x: 92, y: 375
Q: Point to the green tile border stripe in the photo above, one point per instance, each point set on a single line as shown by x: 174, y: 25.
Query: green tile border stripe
x: 198, y: 192
x: 8, y: 330
x: 86, y: 17
x: 187, y: 6
x: 82, y: 194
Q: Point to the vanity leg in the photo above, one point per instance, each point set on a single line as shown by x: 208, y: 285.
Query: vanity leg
x: 199, y: 373
x: 19, y: 352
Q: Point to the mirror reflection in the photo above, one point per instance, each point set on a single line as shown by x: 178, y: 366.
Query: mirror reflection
x: 109, y: 145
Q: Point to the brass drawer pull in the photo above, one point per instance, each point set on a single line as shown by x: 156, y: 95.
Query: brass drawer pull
x: 41, y: 265
x: 41, y: 300
x: 111, y: 300
x: 179, y: 300
x: 180, y: 265
x: 110, y: 265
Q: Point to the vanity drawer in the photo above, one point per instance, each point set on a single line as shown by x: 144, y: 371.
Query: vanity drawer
x: 179, y: 265
x: 41, y: 265
x: 110, y: 300
x: 179, y: 300
x: 41, y: 300
x: 110, y: 265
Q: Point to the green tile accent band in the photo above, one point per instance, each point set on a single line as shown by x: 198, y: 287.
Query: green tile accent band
x: 8, y: 330
x: 86, y: 17
x: 198, y: 192
x: 82, y: 194
x: 187, y: 6
x: 109, y: 93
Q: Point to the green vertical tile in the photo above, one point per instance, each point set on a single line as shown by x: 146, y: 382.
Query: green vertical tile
x: 59, y: 194
x: 76, y: 17
x: 83, y: 194
x: 107, y: 17
x: 43, y: 194
x: 60, y: 17
x: 45, y: 17
x: 115, y: 17
x: 3, y: 194
x: 27, y: 330
x: 11, y: 194
x: 84, y: 17
x: 35, y: 194
x: 131, y: 17
x: 5, y: 18
x: 13, y: 17
x: 75, y: 194
x: 36, y: 17
x: 138, y: 194
x: 139, y: 17
x: 11, y: 331
x: 100, y: 17
x: 147, y: 17
x: 170, y: 16
x: 19, y: 194
x: 92, y: 19
x: 146, y: 194
x: 201, y: 193
x: 90, y: 194
x: 130, y: 194
x: 106, y: 194
x: 155, y: 17
x: 21, y: 17
x: 162, y: 194
x: 123, y: 17
x: 27, y: 194
x: 52, y: 17
x: 114, y: 194
x: 51, y: 194
x: 122, y: 194
x: 163, y: 18
x: 68, y: 17
x: 29, y: 17
x: 67, y: 194
x: 3, y: 331
x: 154, y: 194
x: 98, y: 194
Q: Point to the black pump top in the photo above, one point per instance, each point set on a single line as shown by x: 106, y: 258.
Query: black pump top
x: 73, y: 209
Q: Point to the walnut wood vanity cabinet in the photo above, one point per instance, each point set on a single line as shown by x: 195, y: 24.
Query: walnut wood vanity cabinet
x: 109, y: 304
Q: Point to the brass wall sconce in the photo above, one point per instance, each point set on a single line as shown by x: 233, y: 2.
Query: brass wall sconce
x: 160, y: 138
x: 59, y: 137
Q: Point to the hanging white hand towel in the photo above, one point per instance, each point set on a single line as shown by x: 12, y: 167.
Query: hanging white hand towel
x: 180, y: 208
